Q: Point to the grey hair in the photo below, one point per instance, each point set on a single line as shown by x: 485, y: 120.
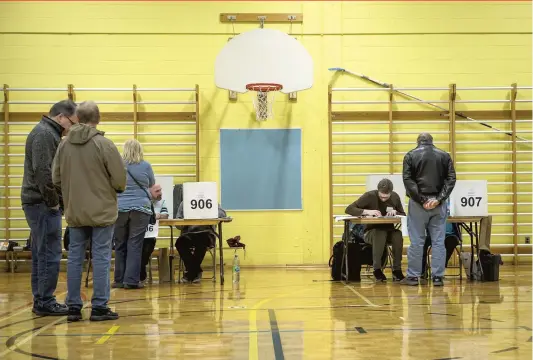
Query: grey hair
x: 425, y: 138
x: 88, y: 113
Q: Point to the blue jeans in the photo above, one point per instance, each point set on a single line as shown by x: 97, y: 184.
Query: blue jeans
x: 101, y: 256
x: 46, y: 251
x: 434, y: 221
x: 129, y: 236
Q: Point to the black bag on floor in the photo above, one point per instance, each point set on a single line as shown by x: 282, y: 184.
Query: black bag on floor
x: 335, y: 261
x: 490, y: 264
x: 354, y: 263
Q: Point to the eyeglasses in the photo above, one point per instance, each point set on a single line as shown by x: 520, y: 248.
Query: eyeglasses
x: 71, y: 122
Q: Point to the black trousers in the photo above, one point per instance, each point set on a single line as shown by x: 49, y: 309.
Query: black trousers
x: 192, y: 248
x: 450, y: 242
x: 148, y: 249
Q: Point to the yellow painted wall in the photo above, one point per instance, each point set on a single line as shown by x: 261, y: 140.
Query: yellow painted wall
x: 174, y: 44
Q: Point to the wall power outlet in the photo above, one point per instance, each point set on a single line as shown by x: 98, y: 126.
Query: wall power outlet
x: 528, y: 240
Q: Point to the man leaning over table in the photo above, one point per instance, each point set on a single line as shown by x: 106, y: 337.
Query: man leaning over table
x: 381, y: 202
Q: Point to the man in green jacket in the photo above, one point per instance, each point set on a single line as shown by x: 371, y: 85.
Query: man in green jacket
x: 90, y: 172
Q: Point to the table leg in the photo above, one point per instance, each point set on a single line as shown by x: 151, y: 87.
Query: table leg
x: 171, y: 256
x: 476, y: 234
x: 472, y: 254
x: 221, y: 265
x: 461, y: 260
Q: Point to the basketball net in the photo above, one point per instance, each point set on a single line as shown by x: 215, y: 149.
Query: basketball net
x: 264, y: 101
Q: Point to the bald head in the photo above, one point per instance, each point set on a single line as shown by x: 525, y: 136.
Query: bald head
x: 88, y: 113
x: 425, y: 138
x: 157, y: 192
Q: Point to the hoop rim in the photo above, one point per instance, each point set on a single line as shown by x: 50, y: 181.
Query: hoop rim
x: 264, y: 87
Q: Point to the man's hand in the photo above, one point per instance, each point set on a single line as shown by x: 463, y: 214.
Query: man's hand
x: 372, y: 212
x: 157, y: 216
x: 431, y: 204
x: 391, y: 213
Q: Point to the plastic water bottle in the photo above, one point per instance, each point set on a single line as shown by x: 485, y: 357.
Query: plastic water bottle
x: 236, y: 270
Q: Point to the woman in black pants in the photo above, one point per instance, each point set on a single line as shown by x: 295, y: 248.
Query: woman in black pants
x: 134, y: 212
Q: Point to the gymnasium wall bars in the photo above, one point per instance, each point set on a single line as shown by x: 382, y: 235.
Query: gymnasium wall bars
x: 371, y: 129
x: 164, y: 120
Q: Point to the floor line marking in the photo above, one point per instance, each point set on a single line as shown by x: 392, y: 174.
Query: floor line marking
x: 112, y: 330
x: 505, y: 350
x: 364, y: 298
x: 30, y: 336
x: 253, y: 348
x: 360, y: 330
x: 276, y: 338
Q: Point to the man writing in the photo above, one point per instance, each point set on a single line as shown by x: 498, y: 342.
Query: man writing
x: 161, y: 212
x: 381, y: 202
x: 90, y: 172
x: 41, y: 202
x: 429, y: 178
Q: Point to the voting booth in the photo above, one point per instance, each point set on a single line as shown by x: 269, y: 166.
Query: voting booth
x: 469, y: 198
x: 200, y: 200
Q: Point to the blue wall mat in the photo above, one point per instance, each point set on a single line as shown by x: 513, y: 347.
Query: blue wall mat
x: 261, y: 169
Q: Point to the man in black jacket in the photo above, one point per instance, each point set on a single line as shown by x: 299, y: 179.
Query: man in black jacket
x: 429, y: 178
x: 42, y: 205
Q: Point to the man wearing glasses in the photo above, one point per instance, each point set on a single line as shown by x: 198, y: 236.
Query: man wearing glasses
x: 41, y: 202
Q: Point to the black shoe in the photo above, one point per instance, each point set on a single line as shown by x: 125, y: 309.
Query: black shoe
x: 378, y: 274
x: 411, y: 281
x: 54, y: 309
x: 437, y: 281
x: 74, y: 314
x: 136, y: 286
x: 397, y: 275
x: 117, y: 285
x: 103, y: 315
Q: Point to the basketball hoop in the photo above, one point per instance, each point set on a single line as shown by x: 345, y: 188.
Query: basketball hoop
x: 264, y: 101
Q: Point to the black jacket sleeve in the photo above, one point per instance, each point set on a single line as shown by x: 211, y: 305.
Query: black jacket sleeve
x: 411, y: 187
x: 449, y: 182
x: 43, y: 152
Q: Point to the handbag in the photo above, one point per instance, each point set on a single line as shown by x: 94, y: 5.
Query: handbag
x: 153, y: 219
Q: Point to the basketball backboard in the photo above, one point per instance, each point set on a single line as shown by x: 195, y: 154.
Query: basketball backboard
x: 264, y: 56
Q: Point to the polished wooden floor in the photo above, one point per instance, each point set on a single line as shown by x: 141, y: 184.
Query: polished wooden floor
x: 282, y: 314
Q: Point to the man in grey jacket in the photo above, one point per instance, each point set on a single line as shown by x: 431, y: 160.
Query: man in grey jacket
x: 192, y: 246
x: 41, y: 203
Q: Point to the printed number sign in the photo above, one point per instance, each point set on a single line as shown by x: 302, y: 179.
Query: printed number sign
x: 152, y: 230
x: 200, y: 200
x: 469, y: 198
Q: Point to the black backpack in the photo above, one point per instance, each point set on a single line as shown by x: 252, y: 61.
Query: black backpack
x: 354, y: 261
x: 335, y: 261
x: 354, y: 255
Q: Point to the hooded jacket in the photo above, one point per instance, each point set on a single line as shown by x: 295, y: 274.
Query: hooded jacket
x: 90, y: 172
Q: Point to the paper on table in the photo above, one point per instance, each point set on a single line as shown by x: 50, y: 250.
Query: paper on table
x: 344, y: 217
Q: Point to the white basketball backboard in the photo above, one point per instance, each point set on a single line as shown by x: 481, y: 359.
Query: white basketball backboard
x: 264, y: 56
